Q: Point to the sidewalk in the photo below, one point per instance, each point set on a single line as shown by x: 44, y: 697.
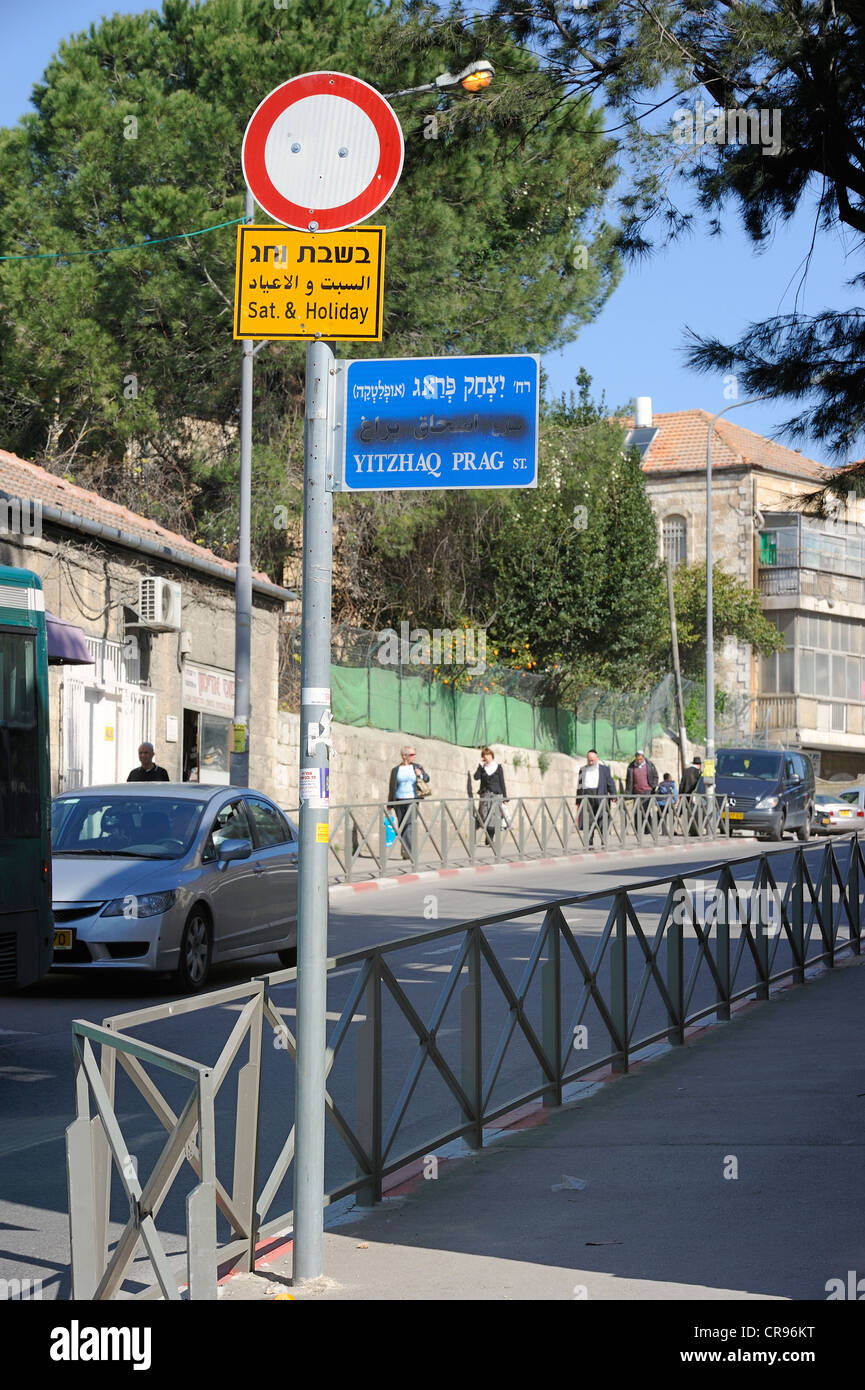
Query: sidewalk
x: 729, y: 1168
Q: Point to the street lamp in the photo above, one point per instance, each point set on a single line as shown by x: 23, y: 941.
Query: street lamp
x: 709, y: 779
x: 473, y: 78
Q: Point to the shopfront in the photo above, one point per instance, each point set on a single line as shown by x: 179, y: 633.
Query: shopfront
x: 208, y: 711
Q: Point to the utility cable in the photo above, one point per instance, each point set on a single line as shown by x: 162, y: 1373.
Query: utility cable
x: 107, y: 250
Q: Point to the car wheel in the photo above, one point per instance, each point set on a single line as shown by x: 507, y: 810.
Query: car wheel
x: 804, y: 831
x: 195, y: 949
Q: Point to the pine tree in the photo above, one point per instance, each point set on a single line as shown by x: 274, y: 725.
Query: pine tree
x: 121, y: 369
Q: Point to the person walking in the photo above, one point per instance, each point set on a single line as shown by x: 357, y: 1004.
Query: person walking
x: 402, y: 794
x: 595, y: 786
x: 147, y: 771
x: 641, y: 779
x: 492, y: 792
x: 691, y: 777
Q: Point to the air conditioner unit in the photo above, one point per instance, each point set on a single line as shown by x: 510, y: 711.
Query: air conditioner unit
x: 159, y: 604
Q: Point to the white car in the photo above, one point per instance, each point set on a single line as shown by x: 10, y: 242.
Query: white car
x: 832, y: 813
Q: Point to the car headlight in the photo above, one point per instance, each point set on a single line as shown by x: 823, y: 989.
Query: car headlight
x: 766, y: 803
x: 141, y: 904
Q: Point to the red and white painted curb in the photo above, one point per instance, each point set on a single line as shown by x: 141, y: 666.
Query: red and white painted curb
x: 585, y: 857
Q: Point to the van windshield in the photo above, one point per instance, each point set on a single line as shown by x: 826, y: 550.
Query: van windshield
x: 765, y: 767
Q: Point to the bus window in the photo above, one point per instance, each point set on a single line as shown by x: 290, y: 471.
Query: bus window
x: 27, y: 936
x: 19, y: 797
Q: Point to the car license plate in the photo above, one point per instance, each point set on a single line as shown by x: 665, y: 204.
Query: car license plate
x: 63, y: 939
x: 845, y: 813
x: 737, y: 815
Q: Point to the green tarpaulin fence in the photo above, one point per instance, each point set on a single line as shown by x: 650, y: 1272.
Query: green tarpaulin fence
x: 616, y: 725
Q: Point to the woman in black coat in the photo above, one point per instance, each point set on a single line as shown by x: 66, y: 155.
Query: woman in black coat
x: 491, y: 777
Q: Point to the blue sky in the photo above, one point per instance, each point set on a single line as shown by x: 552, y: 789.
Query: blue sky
x: 715, y: 285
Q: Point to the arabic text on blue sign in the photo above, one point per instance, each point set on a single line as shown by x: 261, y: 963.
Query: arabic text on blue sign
x: 440, y: 422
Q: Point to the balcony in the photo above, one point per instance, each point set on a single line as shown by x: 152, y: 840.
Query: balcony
x: 773, y: 712
x: 776, y: 581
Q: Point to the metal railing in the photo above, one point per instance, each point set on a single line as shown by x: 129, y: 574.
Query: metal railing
x: 595, y: 979
x: 457, y: 831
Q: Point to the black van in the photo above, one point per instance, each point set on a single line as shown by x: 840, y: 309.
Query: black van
x: 769, y: 790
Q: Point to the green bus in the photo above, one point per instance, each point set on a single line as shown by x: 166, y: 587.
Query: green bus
x: 26, y: 921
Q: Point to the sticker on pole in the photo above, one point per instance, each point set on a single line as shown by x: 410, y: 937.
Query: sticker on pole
x: 322, y: 152
x: 315, y: 787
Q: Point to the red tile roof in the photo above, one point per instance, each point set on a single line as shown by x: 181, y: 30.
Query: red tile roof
x: 27, y: 480
x: 680, y: 445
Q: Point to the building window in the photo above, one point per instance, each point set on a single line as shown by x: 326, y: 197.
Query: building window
x: 831, y: 657
x: 675, y: 537
x: 776, y: 671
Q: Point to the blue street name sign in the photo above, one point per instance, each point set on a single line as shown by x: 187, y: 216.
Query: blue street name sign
x: 437, y: 422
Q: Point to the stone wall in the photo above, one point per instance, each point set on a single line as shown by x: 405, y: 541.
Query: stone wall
x: 362, y: 760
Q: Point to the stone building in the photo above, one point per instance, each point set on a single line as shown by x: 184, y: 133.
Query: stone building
x: 157, y: 615
x: 810, y: 575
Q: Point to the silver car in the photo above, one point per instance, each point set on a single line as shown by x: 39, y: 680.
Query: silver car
x: 836, y: 813
x: 162, y: 876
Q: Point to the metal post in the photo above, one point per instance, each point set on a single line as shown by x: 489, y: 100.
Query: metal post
x: 675, y: 978
x: 677, y: 674
x: 471, y: 1042
x: 709, y: 774
x: 313, y: 844
x: 619, y: 980
x: 722, y: 950
x: 239, y: 758
x: 551, y: 1007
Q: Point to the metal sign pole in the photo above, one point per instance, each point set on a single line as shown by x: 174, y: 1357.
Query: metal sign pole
x: 239, y: 754
x: 313, y: 849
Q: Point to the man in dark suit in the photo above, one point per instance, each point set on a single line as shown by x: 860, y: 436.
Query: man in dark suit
x: 595, y: 786
x: 691, y: 777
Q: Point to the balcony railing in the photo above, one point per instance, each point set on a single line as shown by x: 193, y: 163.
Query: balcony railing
x: 775, y: 581
x: 776, y: 712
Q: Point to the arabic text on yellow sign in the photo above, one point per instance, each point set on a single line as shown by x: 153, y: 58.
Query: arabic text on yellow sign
x: 298, y: 286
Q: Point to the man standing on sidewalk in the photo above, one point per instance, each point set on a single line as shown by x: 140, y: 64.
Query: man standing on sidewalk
x: 594, y: 788
x: 641, y: 779
x: 147, y: 771
x: 691, y: 777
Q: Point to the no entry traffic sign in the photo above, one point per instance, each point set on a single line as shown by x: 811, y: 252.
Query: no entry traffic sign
x: 322, y: 152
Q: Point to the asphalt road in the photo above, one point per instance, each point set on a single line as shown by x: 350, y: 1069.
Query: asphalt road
x: 36, y: 1053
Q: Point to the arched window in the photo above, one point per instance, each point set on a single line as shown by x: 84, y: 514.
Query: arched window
x: 675, y: 539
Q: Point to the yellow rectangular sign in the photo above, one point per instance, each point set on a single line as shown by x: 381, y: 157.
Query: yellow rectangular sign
x: 298, y: 286
x: 322, y: 833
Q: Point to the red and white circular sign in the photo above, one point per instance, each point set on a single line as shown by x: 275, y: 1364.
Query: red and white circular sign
x: 322, y: 152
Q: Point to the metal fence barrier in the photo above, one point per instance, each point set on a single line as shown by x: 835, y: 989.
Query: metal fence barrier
x: 642, y: 973
x: 433, y: 833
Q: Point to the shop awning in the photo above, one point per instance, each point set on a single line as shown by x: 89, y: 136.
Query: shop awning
x: 67, y: 645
